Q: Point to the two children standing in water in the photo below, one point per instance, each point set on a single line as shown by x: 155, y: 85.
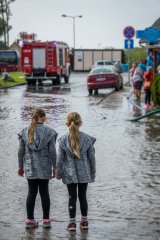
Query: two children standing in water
x: 75, y: 165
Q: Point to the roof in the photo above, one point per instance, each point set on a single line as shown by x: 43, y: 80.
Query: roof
x: 15, y: 46
x: 156, y: 24
x: 155, y: 46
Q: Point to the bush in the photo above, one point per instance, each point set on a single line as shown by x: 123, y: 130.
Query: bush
x: 155, y: 90
x: 134, y: 55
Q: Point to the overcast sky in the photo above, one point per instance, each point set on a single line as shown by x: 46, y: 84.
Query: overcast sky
x: 101, y: 26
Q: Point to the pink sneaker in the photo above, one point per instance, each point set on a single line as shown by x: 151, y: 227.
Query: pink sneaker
x: 31, y: 223
x: 145, y: 106
x: 46, y: 223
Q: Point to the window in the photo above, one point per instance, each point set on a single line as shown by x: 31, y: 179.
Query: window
x: 101, y: 70
x: 8, y: 57
x: 60, y: 56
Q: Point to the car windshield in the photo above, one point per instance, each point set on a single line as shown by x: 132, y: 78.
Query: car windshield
x: 108, y: 63
x: 100, y: 63
x: 104, y: 63
x: 101, y: 70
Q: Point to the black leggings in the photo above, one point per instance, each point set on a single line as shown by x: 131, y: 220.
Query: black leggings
x: 147, y: 96
x: 72, y: 191
x: 33, y: 186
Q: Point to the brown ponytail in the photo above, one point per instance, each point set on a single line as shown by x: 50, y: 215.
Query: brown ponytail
x: 73, y: 121
x: 36, y: 114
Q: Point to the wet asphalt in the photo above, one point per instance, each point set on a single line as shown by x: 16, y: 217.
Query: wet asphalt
x: 124, y: 201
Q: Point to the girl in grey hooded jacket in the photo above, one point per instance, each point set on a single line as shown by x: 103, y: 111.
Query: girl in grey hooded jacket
x: 37, y: 158
x: 76, y: 167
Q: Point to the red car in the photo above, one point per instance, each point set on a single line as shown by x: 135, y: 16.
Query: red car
x: 104, y: 77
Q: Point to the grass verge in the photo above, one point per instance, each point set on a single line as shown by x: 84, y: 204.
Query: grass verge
x: 14, y: 79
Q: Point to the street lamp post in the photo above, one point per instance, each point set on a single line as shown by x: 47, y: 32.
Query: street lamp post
x: 74, y: 31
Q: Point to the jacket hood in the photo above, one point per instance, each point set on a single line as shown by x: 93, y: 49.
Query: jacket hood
x: 85, y: 141
x: 42, y: 136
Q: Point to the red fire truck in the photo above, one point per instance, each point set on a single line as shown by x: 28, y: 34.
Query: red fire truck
x: 45, y: 61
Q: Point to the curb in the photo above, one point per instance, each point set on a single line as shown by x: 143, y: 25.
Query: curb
x: 3, y: 87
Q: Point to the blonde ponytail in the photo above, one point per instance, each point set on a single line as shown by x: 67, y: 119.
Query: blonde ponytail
x: 36, y: 114
x: 73, y: 121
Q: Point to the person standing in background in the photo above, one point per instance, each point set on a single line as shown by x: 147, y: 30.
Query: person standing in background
x: 142, y: 65
x: 132, y: 70
x: 158, y: 69
x: 138, y: 81
x: 5, y: 75
x: 148, y: 78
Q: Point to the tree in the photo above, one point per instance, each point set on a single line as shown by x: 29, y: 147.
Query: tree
x: 5, y: 15
x: 1, y: 27
x: 135, y: 55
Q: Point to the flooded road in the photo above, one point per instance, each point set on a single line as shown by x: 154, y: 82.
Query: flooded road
x: 124, y: 202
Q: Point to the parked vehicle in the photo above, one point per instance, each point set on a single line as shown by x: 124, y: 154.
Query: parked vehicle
x: 9, y: 60
x: 102, y: 63
x: 45, y: 61
x: 104, y: 77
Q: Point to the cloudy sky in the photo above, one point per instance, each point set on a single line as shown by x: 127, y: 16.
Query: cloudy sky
x: 101, y: 26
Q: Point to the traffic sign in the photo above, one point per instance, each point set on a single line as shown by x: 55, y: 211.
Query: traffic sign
x: 128, y: 43
x: 129, y: 32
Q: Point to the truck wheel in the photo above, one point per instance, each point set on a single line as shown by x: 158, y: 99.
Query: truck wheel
x: 90, y: 91
x: 33, y: 82
x: 40, y: 82
x: 58, y: 79
x: 28, y: 82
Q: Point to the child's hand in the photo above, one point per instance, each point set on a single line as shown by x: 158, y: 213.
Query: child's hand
x: 21, y: 172
x: 93, y: 175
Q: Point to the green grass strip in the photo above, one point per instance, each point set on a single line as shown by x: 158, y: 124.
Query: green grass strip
x: 14, y: 79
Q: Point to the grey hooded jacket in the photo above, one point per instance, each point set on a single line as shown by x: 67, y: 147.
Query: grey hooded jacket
x: 38, y: 158
x: 69, y: 167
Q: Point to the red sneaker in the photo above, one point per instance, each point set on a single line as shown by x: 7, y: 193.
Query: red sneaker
x: 83, y: 225
x: 71, y: 227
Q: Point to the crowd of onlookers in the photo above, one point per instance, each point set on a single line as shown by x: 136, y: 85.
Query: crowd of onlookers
x: 142, y: 77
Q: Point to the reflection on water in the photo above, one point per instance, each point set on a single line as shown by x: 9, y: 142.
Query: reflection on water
x: 124, y: 200
x: 32, y: 234
x: 137, y: 108
x: 46, y: 98
x: 4, y: 112
x: 48, y: 89
x: 74, y: 236
x: 153, y: 133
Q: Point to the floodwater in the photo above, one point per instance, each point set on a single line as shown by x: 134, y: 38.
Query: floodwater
x: 124, y: 201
